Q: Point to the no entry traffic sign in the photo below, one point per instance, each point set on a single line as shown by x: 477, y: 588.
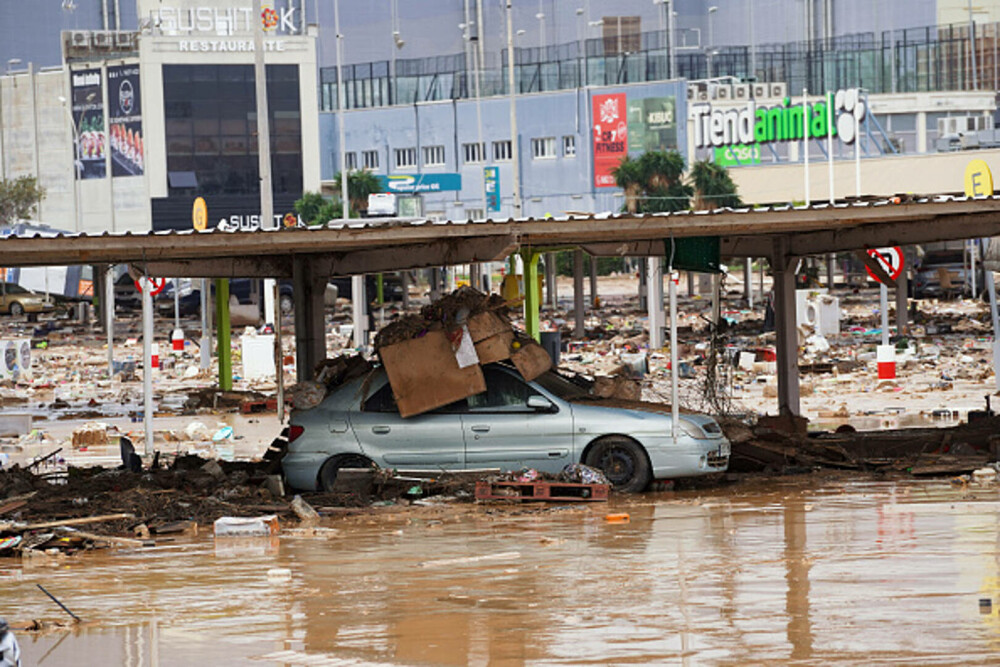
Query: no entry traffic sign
x: 157, y: 285
x: 891, y: 260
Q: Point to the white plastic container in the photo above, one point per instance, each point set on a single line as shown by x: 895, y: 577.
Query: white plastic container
x: 258, y: 356
x: 257, y: 526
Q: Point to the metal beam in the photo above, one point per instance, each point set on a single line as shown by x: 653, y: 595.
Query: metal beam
x: 867, y: 236
x: 224, y: 267
x: 442, y: 253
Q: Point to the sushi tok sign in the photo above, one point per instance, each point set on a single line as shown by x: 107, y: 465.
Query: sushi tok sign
x: 88, y: 121
x: 125, y: 121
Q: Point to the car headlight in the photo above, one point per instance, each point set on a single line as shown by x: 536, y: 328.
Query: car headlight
x: 691, y: 429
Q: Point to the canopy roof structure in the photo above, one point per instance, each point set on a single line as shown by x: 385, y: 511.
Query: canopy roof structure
x: 310, y: 256
x: 376, y: 245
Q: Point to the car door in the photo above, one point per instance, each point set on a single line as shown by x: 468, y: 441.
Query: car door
x: 429, y: 441
x: 502, y: 431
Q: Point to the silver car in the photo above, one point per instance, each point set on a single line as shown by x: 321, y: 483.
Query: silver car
x: 544, y: 424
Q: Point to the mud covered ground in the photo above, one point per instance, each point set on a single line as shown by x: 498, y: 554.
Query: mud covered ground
x: 830, y: 568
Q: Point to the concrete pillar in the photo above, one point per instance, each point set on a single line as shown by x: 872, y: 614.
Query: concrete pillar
x: 435, y: 284
x: 787, y: 343
x: 643, y: 285
x: 224, y: 334
x: 748, y: 281
x: 902, y: 303
x: 310, y: 326
x: 579, y: 309
x: 921, y: 131
x: 690, y: 280
x: 654, y: 290
x: 551, y: 289
x: 532, y: 324
x: 829, y: 271
x: 593, y: 282
x: 404, y: 277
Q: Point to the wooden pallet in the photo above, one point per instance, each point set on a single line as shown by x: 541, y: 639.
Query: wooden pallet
x: 542, y: 491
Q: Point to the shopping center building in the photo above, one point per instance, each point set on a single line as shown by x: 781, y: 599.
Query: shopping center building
x: 127, y: 111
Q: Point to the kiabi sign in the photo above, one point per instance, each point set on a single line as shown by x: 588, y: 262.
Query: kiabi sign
x: 753, y: 124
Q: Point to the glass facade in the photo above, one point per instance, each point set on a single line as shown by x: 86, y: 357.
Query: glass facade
x: 935, y: 58
x: 211, y: 129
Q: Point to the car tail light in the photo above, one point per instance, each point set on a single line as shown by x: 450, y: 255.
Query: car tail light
x: 294, y: 431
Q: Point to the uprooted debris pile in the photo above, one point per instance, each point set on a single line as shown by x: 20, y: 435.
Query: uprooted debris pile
x: 450, y: 340
x: 783, y: 444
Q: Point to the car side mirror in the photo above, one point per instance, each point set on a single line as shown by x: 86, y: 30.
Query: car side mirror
x: 539, y: 403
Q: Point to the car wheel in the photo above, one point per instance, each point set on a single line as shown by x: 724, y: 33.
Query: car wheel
x: 623, y: 462
x: 16, y: 309
x: 286, y: 303
x: 328, y: 473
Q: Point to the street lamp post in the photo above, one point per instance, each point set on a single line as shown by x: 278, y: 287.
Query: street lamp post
x: 512, y: 93
x: 711, y: 37
x: 77, y: 166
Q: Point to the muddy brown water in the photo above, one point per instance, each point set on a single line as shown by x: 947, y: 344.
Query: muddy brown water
x: 795, y: 571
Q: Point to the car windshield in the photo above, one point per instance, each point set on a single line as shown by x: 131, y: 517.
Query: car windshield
x: 560, y: 385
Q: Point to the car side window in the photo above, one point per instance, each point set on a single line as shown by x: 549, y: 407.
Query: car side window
x: 381, y: 401
x: 384, y: 401
x: 504, y: 393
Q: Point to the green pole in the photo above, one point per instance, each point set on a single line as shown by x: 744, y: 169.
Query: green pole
x: 224, y: 335
x: 532, y: 322
x: 379, y: 289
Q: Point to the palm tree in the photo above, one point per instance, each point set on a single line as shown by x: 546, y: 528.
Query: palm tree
x: 713, y: 186
x: 629, y: 177
x: 360, y: 184
x: 653, y: 182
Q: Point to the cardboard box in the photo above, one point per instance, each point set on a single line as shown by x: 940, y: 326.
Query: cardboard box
x: 485, y: 325
x: 424, y: 374
x: 495, y: 348
x: 531, y: 360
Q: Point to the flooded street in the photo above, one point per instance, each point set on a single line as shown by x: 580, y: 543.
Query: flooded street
x: 807, y: 570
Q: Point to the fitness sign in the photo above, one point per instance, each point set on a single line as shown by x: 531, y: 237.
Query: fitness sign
x: 784, y: 122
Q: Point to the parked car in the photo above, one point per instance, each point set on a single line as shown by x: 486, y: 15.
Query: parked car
x: 392, y: 287
x: 16, y: 300
x: 927, y: 278
x: 241, y: 288
x: 544, y: 424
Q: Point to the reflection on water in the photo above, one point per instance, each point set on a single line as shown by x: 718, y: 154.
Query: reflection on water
x: 795, y: 572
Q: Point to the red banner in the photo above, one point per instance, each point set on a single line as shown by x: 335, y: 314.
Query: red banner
x: 610, y: 137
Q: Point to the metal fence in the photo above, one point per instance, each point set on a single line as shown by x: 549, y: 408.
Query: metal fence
x: 935, y: 58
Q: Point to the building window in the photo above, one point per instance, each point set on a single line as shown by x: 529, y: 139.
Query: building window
x: 569, y: 146
x: 211, y: 147
x: 433, y: 156
x: 352, y: 160
x: 406, y: 158
x: 474, y: 214
x: 474, y: 153
x: 370, y: 160
x: 502, y: 151
x: 543, y: 148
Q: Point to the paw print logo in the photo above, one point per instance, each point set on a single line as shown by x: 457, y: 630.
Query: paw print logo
x: 269, y: 18
x: 850, y: 108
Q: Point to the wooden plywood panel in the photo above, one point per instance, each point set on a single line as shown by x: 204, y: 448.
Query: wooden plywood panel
x: 495, y: 348
x: 531, y: 360
x: 424, y: 374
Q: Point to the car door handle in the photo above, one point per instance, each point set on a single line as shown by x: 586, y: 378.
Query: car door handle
x: 555, y: 455
x: 380, y: 429
x: 481, y: 428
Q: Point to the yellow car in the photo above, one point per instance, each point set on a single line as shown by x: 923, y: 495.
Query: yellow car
x: 16, y: 300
